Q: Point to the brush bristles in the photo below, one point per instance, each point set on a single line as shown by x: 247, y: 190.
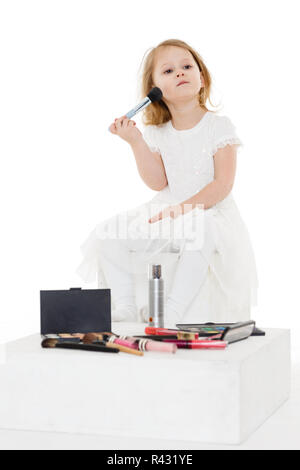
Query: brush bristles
x: 89, y: 338
x: 49, y: 343
x: 155, y: 94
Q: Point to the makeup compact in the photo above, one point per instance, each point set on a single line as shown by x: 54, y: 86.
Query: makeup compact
x: 74, y: 310
x: 230, y: 332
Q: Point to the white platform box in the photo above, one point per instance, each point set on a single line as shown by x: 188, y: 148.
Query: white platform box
x: 194, y: 395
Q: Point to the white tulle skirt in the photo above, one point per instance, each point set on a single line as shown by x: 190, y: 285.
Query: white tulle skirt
x: 230, y: 289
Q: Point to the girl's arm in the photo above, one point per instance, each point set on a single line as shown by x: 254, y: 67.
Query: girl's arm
x: 220, y: 187
x: 216, y: 191
x: 150, y: 165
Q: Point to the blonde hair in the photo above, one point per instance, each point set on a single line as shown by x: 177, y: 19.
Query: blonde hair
x: 158, y: 112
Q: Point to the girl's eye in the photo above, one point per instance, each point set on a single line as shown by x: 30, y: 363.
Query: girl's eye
x: 171, y: 69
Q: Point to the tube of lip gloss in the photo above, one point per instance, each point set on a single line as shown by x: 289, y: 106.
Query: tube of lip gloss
x: 197, y: 344
x: 144, y: 344
x: 175, y: 337
x: 122, y: 342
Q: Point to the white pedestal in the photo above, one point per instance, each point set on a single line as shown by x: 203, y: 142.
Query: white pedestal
x: 2, y: 353
x: 204, y: 396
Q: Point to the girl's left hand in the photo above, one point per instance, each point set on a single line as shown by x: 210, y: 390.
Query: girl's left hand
x: 172, y: 211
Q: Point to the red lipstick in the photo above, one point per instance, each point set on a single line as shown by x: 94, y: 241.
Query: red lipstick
x: 151, y: 330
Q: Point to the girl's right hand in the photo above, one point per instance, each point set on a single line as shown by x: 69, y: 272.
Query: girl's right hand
x: 125, y: 128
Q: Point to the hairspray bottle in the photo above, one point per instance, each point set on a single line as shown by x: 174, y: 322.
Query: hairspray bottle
x: 156, y: 297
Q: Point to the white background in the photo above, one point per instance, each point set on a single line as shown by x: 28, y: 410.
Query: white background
x: 68, y: 68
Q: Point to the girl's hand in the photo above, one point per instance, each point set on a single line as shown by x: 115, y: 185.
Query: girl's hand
x: 125, y: 128
x: 172, y: 211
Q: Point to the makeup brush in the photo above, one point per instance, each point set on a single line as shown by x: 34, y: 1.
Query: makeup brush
x: 54, y: 343
x: 72, y: 335
x: 89, y: 338
x: 62, y: 339
x: 124, y: 349
x: 92, y: 338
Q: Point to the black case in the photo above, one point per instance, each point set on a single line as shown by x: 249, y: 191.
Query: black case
x: 75, y: 310
x: 232, y: 331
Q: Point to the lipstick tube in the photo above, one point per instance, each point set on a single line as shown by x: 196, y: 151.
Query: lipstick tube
x: 150, y: 330
x: 166, y: 331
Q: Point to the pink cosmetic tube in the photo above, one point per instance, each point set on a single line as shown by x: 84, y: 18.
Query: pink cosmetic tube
x: 197, y: 344
x: 146, y: 344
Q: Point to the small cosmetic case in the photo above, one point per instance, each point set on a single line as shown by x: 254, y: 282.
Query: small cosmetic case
x: 75, y: 310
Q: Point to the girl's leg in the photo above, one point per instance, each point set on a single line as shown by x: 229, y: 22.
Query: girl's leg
x: 115, y: 256
x: 189, y: 276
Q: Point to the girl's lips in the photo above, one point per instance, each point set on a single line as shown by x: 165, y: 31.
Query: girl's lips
x: 183, y: 83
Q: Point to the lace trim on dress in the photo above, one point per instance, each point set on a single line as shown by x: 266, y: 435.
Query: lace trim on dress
x: 227, y: 141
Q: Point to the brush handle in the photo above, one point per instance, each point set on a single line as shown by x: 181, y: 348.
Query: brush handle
x: 124, y: 349
x: 87, y: 347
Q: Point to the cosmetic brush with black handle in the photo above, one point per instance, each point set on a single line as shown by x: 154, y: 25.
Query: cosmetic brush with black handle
x: 54, y: 343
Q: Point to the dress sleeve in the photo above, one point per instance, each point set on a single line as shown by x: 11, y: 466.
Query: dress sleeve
x: 224, y: 133
x: 150, y: 138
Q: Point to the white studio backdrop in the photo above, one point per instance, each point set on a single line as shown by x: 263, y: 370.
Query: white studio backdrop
x: 69, y: 68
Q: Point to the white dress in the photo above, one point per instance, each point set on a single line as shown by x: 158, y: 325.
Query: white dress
x: 189, y: 164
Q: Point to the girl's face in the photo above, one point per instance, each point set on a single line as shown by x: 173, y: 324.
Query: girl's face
x: 173, y: 65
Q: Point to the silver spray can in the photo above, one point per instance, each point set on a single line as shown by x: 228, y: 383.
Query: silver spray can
x: 156, y: 297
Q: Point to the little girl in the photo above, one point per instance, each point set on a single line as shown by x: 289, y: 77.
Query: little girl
x: 188, y: 154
